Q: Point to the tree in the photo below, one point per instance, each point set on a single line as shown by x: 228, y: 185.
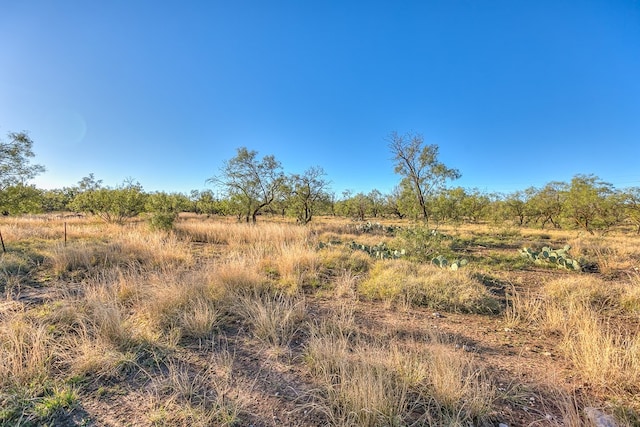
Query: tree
x: 59, y: 199
x: 20, y: 199
x: 307, y: 191
x: 632, y: 206
x: 517, y: 204
x: 15, y: 167
x: 164, y: 208
x: 376, y: 200
x: 89, y: 183
x: 420, y: 168
x: 547, y: 203
x: 591, y: 204
x: 449, y: 205
x: 475, y: 204
x: 113, y: 205
x: 362, y: 205
x: 255, y: 183
x: 205, y: 202
x: 392, y: 203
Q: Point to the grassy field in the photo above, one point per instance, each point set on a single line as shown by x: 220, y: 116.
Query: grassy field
x: 273, y: 324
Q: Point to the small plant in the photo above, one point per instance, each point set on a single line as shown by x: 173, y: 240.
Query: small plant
x: 442, y: 262
x: 557, y: 257
x: 60, y: 399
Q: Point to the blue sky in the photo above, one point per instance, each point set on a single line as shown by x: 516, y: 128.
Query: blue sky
x: 514, y: 93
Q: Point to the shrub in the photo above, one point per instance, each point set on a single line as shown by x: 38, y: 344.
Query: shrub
x: 162, y: 220
x: 422, y: 244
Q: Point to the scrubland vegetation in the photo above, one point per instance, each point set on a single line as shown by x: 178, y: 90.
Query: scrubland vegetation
x: 452, y: 308
x: 218, y: 322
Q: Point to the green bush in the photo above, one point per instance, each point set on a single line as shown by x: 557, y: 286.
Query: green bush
x: 162, y: 220
x: 422, y: 244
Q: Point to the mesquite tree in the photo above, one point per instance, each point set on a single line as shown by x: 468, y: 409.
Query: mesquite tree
x: 254, y: 183
x: 419, y: 166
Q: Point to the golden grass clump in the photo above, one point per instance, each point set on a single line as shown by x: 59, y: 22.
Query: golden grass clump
x: 237, y: 273
x: 610, y: 253
x: 606, y: 357
x: 27, y: 349
x: 97, y: 357
x: 427, y: 285
x: 581, y: 289
x: 291, y: 266
x: 630, y: 298
x: 273, y: 318
x: 188, y: 304
x: 24, y: 228
x: 457, y: 385
x: 594, y: 292
x: 580, y: 309
x: 522, y: 309
x: 155, y: 248
x: 358, y: 388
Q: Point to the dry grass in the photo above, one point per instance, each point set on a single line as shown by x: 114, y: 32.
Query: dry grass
x: 335, y: 260
x: 239, y: 236
x: 357, y: 387
x: 605, y: 356
x: 290, y: 266
x: 380, y: 383
x: 194, y: 396
x: 119, y: 306
x: 610, y: 253
x: 581, y: 309
x: 427, y: 285
x: 273, y: 318
x: 126, y: 248
x: 26, y: 352
x: 460, y: 389
x: 522, y: 308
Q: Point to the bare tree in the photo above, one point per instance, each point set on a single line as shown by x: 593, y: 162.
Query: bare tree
x: 420, y: 168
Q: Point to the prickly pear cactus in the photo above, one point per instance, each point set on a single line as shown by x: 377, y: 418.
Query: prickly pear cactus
x: 557, y: 257
x: 442, y: 262
x: 380, y: 251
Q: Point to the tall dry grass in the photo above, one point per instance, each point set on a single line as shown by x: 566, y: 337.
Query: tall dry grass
x: 608, y: 357
x: 610, y: 253
x: 273, y: 318
x: 27, y: 351
x: 196, y: 396
x: 375, y: 383
x: 124, y: 248
x: 290, y: 266
x: 239, y: 235
x: 589, y: 314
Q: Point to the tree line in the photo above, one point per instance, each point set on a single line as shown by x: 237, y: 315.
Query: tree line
x: 248, y: 186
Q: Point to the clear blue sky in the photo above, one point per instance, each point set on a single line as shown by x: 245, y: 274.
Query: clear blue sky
x: 515, y: 93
